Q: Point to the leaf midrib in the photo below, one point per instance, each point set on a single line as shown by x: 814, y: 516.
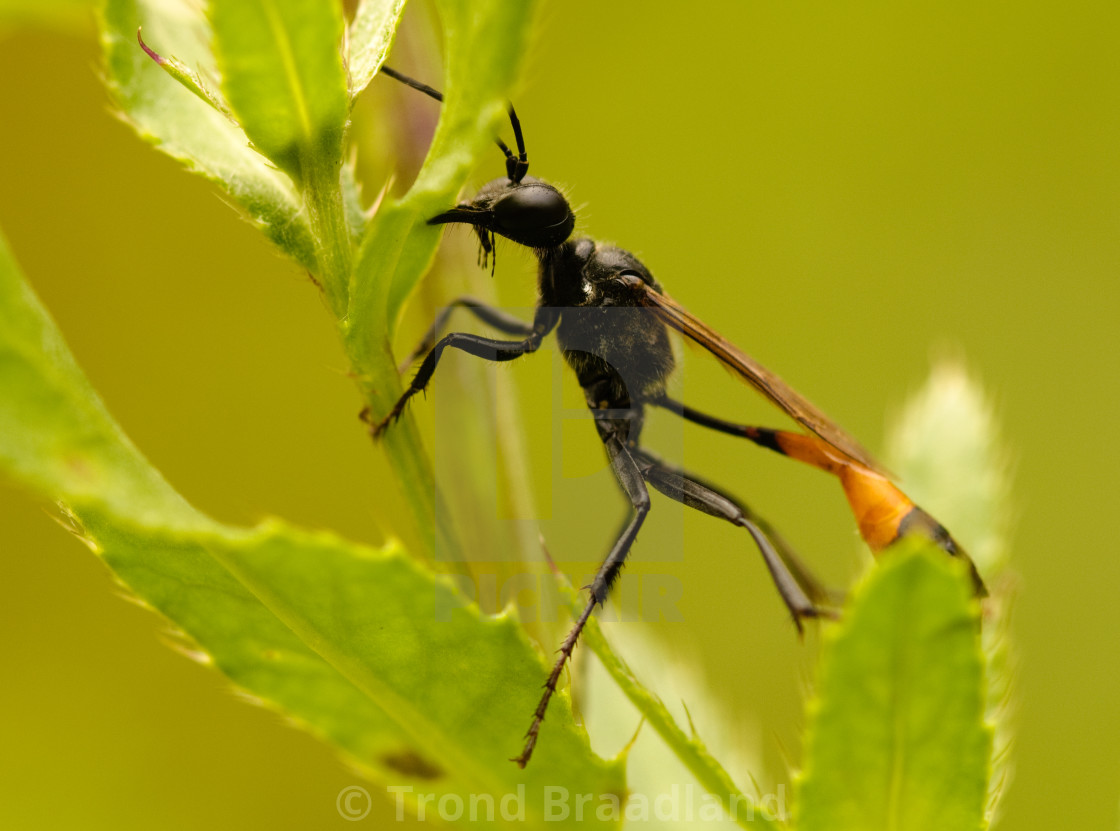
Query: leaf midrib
x: 291, y: 70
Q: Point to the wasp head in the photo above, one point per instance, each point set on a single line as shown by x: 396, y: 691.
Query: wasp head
x: 530, y: 212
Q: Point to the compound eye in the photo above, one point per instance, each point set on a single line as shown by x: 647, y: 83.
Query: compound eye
x: 534, y: 214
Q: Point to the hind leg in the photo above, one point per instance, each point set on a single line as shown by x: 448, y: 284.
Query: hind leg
x: 798, y: 589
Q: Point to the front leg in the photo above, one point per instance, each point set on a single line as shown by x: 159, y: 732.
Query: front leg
x: 489, y: 349
x: 497, y: 318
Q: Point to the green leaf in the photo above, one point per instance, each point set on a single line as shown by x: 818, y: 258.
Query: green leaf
x: 283, y: 76
x: 365, y: 648
x: 55, y: 434
x: 186, y: 127
x: 371, y: 35
x: 896, y: 737
x: 282, y: 72
x: 946, y: 446
x: 187, y: 77
x: 485, y: 43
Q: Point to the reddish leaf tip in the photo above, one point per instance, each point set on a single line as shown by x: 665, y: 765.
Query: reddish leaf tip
x: 155, y: 56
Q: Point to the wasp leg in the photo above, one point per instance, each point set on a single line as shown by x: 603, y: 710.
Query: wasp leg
x: 870, y: 494
x: 818, y: 592
x: 486, y: 348
x: 629, y: 477
x: 695, y: 494
x: 497, y: 318
x: 703, y: 419
x: 794, y: 563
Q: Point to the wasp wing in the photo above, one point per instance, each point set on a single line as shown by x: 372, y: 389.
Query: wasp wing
x: 766, y: 382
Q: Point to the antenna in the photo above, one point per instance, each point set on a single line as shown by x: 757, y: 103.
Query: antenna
x: 516, y: 165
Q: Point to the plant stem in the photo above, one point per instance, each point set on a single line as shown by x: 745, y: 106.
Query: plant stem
x: 366, y: 334
x: 322, y: 198
x: 370, y: 355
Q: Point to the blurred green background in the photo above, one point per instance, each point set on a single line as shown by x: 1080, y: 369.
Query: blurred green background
x: 843, y: 190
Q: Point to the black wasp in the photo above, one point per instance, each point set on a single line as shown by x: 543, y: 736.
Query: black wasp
x: 612, y: 321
